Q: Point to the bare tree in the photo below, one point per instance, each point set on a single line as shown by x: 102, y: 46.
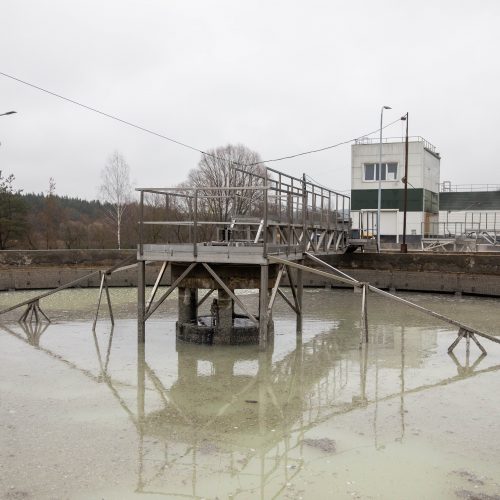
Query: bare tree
x: 231, y: 165
x: 116, y: 190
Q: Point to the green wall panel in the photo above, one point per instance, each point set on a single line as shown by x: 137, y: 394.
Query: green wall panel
x: 394, y: 198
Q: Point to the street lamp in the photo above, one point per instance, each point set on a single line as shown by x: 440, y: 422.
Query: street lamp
x: 8, y: 113
x: 379, y: 199
x: 404, y: 247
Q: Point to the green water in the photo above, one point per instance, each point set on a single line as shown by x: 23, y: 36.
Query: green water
x: 86, y: 415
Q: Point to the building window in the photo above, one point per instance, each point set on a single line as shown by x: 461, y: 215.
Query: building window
x: 389, y: 172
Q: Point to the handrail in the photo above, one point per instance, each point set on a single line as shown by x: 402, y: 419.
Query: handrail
x: 394, y: 140
x: 447, y: 187
x: 280, y: 199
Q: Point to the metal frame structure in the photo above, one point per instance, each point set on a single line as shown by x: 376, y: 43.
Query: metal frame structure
x: 34, y: 313
x: 283, y: 216
x: 463, y: 236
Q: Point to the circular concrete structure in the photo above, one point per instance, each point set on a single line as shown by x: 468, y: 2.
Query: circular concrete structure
x: 203, y: 331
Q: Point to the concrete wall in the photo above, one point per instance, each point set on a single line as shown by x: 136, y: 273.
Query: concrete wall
x: 463, y: 273
x: 40, y: 269
x: 477, y: 274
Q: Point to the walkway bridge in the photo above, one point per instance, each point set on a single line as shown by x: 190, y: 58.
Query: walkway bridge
x: 223, y: 238
x: 271, y: 214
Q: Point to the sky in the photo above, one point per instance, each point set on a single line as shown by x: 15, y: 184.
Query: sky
x: 280, y: 77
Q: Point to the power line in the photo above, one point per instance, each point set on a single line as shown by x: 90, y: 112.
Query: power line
x: 329, y: 147
x: 180, y: 143
x: 90, y: 108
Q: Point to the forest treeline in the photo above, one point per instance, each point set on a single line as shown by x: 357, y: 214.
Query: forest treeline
x: 50, y: 221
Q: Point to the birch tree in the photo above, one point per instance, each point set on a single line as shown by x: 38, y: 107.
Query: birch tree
x: 115, y: 190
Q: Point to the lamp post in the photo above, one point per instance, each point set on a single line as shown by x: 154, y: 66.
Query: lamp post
x: 379, y: 198
x: 404, y: 247
x: 8, y: 113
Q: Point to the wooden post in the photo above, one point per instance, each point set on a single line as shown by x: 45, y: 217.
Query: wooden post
x: 263, y: 296
x: 141, y: 302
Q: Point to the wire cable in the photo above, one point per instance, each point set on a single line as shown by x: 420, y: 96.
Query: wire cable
x: 348, y: 141
x: 180, y: 143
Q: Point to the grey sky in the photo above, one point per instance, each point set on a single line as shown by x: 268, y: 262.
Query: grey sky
x: 280, y: 77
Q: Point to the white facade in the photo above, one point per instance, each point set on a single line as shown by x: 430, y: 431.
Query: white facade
x: 423, y: 186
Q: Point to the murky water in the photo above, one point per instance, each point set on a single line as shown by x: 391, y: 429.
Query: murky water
x: 86, y: 415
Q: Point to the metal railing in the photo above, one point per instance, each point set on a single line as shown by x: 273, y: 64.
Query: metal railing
x: 276, y: 209
x: 389, y: 140
x: 448, y: 187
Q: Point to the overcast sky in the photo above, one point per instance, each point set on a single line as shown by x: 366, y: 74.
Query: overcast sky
x: 278, y: 76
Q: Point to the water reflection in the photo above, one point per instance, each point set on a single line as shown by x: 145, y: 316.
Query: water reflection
x: 247, y: 416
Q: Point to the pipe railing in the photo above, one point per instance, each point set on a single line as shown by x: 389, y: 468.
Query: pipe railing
x: 201, y: 212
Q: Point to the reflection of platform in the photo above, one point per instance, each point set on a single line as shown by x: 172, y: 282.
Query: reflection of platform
x: 237, y: 414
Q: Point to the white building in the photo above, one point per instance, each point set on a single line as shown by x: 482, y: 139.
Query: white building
x: 423, y: 187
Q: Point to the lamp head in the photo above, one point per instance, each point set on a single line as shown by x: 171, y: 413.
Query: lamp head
x: 387, y: 107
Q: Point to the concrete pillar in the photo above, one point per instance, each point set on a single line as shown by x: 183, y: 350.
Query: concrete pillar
x: 188, y: 301
x: 226, y: 310
x: 141, y: 301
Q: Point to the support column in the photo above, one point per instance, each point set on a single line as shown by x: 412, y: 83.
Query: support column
x: 141, y: 301
x: 188, y: 302
x: 225, y: 317
x: 263, y: 304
